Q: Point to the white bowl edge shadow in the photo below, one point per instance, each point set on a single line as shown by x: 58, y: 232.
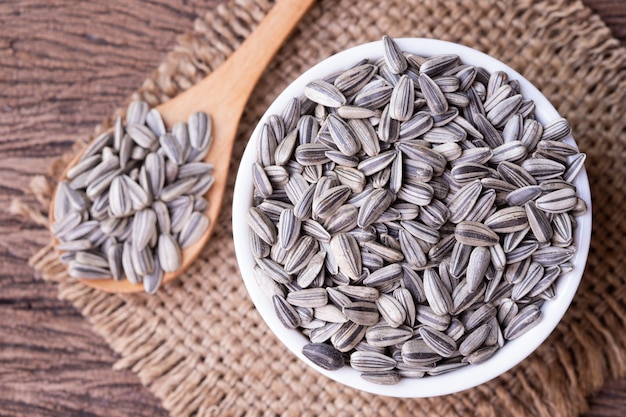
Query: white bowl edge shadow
x: 470, y: 376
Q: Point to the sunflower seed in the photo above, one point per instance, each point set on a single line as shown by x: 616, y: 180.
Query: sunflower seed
x: 526, y: 319
x: 479, y: 260
x: 367, y: 361
x: 310, y: 297
x: 483, y: 207
x: 508, y: 220
x: 474, y: 339
x: 169, y: 253
x: 490, y: 134
x: 439, y: 342
x: 574, y: 167
x: 324, y: 93
x: 393, y: 56
x: 193, y: 229
x: 285, y: 312
x: 513, y: 129
x: 114, y: 258
x: 438, y: 64
x: 402, y: 100
x: 532, y: 277
x: 353, y: 80
x: 420, y: 194
x: 475, y: 234
x: 553, y: 255
x: 436, y: 294
x: 417, y: 352
x: 323, y: 355
x: 539, y: 223
x: 348, y: 336
x: 383, y: 276
x: 501, y: 112
x: 144, y: 228
x: 557, y: 130
x: 435, y: 98
x: 560, y: 201
x: 262, y: 225
x: 463, y: 201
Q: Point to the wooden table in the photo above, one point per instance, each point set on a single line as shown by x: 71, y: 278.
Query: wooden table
x: 63, y: 65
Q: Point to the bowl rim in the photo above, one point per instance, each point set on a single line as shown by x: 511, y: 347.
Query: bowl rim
x: 513, y: 352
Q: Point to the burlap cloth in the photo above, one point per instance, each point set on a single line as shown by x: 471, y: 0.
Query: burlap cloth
x: 199, y: 344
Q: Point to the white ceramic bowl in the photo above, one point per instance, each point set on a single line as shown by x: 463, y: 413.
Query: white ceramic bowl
x: 514, y: 351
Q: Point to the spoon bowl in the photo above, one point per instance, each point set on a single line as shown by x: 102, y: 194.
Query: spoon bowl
x: 223, y: 95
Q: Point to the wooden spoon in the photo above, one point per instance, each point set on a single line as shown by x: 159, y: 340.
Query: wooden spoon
x: 223, y: 94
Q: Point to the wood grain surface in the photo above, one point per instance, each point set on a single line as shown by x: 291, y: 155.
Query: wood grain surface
x: 64, y: 64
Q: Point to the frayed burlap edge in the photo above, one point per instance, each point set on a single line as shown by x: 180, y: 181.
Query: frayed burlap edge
x: 162, y: 338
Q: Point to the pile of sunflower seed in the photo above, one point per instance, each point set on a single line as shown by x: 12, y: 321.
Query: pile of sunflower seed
x: 411, y: 215
x: 135, y: 199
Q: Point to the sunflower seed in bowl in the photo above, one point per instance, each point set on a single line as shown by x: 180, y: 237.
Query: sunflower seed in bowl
x: 438, y: 212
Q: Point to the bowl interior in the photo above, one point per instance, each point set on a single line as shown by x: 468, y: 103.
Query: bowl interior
x: 514, y: 351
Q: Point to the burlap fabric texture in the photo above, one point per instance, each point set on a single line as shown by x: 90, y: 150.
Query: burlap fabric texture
x: 200, y: 346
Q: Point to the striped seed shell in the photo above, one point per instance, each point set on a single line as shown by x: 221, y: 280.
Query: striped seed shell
x: 347, y: 254
x: 417, y: 352
x: 366, y: 135
x: 382, y: 335
x: 428, y: 317
x: 474, y: 339
x: 362, y: 312
x: 521, y: 196
x: 393, y: 55
x: 539, y: 223
x: 532, y: 277
x: 324, y: 93
x: 435, y: 99
x: 464, y: 200
x: 391, y: 310
x: 559, y: 201
x: 300, y: 254
x: 288, y: 229
x: 479, y: 261
x: 508, y: 220
x: 261, y: 224
x: 195, y: 227
x: 420, y: 194
x: 379, y: 200
x: 324, y: 355
x: 348, y: 336
x: 526, y: 319
x: 412, y: 250
x: 515, y: 175
x: 367, y: 361
x: 329, y: 201
x: 437, y: 295
x: 285, y: 312
x: 354, y: 79
x: 402, y: 99
x: 309, y: 297
x: 144, y: 228
x: 439, y: 342
x: 438, y: 64
x: 509, y: 151
x: 543, y: 169
x: 557, y: 130
x: 574, y: 167
x: 553, y: 255
x: 169, y: 253
x: 475, y: 234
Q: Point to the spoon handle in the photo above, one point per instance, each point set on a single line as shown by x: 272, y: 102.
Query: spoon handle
x: 245, y: 66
